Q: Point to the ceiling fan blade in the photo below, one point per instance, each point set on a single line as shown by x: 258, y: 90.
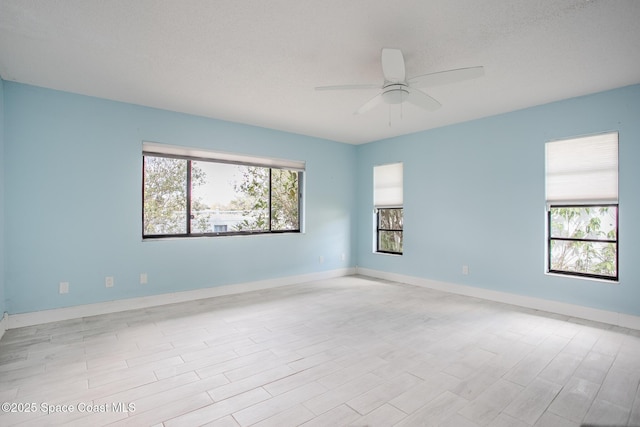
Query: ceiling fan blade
x: 422, y: 100
x: 373, y: 102
x: 446, y: 77
x: 393, y: 65
x: 348, y: 87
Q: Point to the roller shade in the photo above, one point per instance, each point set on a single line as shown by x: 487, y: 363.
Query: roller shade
x: 582, y: 170
x: 387, y: 185
x: 154, y: 148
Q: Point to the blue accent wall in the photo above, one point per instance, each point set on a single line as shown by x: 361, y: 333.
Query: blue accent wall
x: 474, y: 194
x: 73, y: 200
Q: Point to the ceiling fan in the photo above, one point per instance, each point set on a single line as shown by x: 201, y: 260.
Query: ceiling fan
x: 397, y: 89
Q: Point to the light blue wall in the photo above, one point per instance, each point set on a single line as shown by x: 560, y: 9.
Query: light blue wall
x: 474, y: 195
x: 73, y: 203
x: 3, y: 307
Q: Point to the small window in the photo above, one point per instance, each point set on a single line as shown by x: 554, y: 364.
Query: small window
x: 188, y: 192
x: 583, y: 240
x: 582, y: 206
x: 388, y: 201
x: 389, y: 231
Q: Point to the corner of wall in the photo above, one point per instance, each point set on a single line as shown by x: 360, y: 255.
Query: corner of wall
x: 4, y: 324
x: 2, y: 251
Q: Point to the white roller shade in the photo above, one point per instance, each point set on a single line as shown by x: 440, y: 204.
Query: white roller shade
x: 151, y: 148
x: 582, y: 170
x: 387, y: 185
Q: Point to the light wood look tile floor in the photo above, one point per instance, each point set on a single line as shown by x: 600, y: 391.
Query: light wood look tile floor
x: 348, y: 351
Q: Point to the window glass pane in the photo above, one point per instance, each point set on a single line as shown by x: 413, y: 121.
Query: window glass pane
x: 284, y: 200
x: 227, y: 197
x: 165, y: 196
x: 390, y: 241
x: 584, y: 257
x: 252, y: 199
x: 222, y: 198
x: 203, y: 199
x: 213, y: 190
x: 390, y: 219
x: 584, y: 222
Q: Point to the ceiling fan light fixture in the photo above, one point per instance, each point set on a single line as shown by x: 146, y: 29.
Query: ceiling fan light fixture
x: 395, y: 95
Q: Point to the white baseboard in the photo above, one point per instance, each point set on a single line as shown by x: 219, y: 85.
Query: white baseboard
x: 578, y: 311
x: 4, y: 323
x: 67, y: 313
x: 46, y: 316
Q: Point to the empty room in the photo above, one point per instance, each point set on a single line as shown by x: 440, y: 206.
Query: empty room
x: 320, y: 213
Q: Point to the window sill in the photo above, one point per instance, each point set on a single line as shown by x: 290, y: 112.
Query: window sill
x: 214, y: 236
x: 592, y: 279
x: 387, y: 253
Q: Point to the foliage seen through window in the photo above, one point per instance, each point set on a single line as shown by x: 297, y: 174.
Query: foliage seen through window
x: 217, y: 198
x: 390, y: 230
x: 583, y: 240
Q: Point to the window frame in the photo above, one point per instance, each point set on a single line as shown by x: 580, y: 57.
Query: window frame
x: 378, y: 230
x: 582, y: 172
x: 573, y: 239
x: 388, y: 193
x: 189, y: 216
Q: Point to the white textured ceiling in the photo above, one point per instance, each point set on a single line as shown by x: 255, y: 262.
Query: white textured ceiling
x: 258, y: 61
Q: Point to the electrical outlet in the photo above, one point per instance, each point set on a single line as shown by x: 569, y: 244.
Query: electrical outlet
x: 321, y: 259
x: 465, y: 269
x: 108, y: 281
x: 143, y: 279
x: 343, y: 257
x: 64, y: 287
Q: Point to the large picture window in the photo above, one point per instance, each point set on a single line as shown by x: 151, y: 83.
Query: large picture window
x: 582, y: 206
x: 197, y: 193
x: 388, y: 199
